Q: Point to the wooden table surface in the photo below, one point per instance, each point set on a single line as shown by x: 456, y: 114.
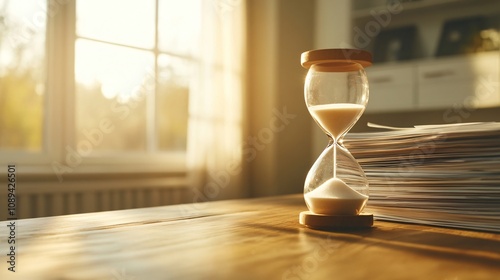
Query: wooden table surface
x: 240, y: 239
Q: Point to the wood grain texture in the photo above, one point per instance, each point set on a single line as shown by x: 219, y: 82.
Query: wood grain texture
x: 240, y: 239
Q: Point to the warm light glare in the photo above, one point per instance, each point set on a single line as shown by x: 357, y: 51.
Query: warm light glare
x: 22, y: 74
x: 179, y: 25
x: 127, y: 22
x: 134, y: 65
x: 22, y: 27
x: 119, y: 71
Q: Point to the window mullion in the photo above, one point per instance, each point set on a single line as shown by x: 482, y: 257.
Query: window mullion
x: 69, y: 74
x: 151, y: 98
x: 59, y: 106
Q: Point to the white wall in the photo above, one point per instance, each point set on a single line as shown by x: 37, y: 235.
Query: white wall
x: 279, y: 31
x: 332, y: 30
x: 332, y: 24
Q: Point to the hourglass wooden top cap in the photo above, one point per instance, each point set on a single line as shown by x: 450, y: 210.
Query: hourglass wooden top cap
x: 336, y: 60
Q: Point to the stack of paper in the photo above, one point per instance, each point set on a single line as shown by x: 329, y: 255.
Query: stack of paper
x: 445, y: 175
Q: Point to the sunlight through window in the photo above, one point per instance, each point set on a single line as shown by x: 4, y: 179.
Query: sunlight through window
x: 134, y: 71
x: 22, y: 75
x: 127, y: 22
x: 179, y: 26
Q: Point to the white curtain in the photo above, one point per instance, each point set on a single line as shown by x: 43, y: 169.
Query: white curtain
x: 216, y: 104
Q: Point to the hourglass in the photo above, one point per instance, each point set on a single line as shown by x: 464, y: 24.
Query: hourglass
x: 336, y: 93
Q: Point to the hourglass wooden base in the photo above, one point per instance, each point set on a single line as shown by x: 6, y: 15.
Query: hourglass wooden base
x: 318, y: 221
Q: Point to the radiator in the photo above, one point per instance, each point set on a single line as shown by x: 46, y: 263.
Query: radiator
x: 45, y: 200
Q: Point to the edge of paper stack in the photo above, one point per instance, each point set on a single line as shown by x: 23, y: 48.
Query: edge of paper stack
x: 442, y: 175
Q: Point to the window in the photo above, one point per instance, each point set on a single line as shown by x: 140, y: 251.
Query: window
x: 22, y: 74
x: 89, y: 85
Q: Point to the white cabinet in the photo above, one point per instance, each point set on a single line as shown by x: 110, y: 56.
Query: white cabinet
x: 391, y: 88
x: 463, y: 81
x: 470, y: 81
x: 425, y: 81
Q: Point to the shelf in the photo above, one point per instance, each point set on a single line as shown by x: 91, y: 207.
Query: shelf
x: 419, y: 5
x: 426, y: 81
x: 440, y: 59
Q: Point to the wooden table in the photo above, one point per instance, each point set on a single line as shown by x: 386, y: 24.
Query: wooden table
x: 240, y: 239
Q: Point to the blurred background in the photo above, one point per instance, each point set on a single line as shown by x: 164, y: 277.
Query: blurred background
x: 109, y: 105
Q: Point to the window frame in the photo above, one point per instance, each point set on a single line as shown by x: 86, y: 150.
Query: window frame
x: 59, y: 107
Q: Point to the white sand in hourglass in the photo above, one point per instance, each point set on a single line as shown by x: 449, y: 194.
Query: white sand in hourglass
x: 336, y: 118
x: 335, y: 197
